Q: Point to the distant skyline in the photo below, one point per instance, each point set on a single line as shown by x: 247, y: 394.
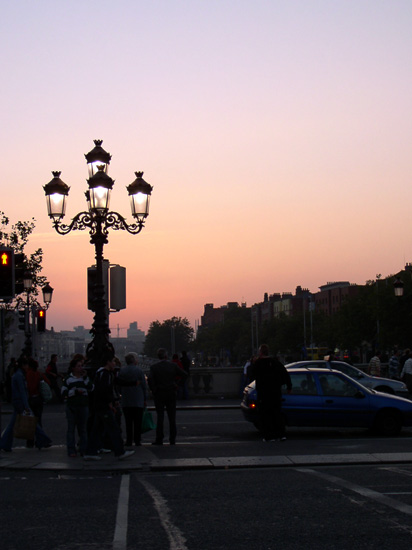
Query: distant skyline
x: 277, y: 136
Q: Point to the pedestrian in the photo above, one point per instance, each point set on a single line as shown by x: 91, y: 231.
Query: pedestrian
x: 375, y: 365
x: 117, y: 393
x: 9, y: 373
x: 76, y: 389
x: 33, y: 379
x: 406, y: 374
x: 270, y: 375
x: 104, y: 413
x: 133, y: 398
x: 246, y: 375
x: 180, y: 381
x: 163, y: 383
x: 186, y: 364
x: 394, y: 365
x: 405, y: 355
x: 20, y: 403
x: 53, y: 376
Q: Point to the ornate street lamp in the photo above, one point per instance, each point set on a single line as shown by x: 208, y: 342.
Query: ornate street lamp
x: 98, y: 219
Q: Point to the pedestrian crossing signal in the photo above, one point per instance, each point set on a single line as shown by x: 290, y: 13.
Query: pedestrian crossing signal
x: 41, y: 320
x: 6, y: 273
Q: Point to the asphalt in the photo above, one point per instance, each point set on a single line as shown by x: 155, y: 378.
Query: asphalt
x: 180, y: 457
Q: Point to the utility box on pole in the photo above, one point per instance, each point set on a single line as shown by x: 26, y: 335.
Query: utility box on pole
x: 117, y: 287
x: 91, y: 281
x: 114, y: 280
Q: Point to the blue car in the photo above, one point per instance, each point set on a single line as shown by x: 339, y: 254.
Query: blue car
x: 329, y: 398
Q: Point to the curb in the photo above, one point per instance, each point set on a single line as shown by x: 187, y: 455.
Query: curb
x: 210, y: 463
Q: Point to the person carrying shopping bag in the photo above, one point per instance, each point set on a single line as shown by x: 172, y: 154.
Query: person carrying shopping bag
x: 20, y: 403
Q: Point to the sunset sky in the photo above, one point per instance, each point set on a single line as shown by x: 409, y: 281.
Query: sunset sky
x: 277, y: 136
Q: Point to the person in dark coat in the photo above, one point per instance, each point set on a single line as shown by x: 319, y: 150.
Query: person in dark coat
x: 133, y: 398
x: 104, y: 421
x: 270, y: 376
x: 163, y: 382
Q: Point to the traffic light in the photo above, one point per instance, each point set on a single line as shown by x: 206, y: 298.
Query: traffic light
x: 6, y: 273
x: 41, y: 320
x: 23, y: 317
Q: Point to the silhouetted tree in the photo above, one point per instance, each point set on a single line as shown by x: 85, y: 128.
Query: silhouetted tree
x: 175, y: 332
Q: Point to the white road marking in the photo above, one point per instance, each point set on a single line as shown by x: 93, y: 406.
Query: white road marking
x: 363, y: 491
x: 120, y: 533
x: 398, y: 470
x: 176, y: 539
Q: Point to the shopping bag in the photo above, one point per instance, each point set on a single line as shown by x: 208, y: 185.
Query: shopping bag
x: 25, y: 426
x: 147, y: 422
x: 45, y: 391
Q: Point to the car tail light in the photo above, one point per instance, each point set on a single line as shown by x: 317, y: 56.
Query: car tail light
x: 252, y: 405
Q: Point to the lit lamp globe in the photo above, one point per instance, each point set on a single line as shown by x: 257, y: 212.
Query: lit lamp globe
x: 398, y: 287
x: 139, y: 193
x: 56, y: 193
x: 47, y: 294
x: 97, y: 157
x: 27, y: 280
x: 100, y: 186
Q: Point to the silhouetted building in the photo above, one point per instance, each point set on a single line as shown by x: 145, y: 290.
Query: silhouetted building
x: 216, y: 315
x: 332, y: 295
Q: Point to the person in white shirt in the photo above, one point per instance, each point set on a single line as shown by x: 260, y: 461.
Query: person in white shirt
x: 406, y: 374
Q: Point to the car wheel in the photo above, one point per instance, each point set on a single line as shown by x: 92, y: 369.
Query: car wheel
x: 388, y: 423
x: 385, y: 389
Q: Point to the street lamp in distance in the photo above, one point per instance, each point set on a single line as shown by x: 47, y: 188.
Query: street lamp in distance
x: 398, y: 287
x: 47, y: 291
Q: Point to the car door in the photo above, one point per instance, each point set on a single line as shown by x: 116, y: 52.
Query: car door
x: 303, y: 406
x: 345, y: 402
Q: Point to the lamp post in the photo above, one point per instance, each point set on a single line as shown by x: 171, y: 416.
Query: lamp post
x: 98, y: 219
x: 28, y: 286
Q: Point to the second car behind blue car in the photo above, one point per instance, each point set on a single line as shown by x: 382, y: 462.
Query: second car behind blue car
x: 328, y: 398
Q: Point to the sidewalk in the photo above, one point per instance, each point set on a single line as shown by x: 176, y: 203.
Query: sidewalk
x: 184, y: 455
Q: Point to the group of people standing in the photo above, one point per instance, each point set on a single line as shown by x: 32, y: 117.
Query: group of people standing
x: 94, y: 408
